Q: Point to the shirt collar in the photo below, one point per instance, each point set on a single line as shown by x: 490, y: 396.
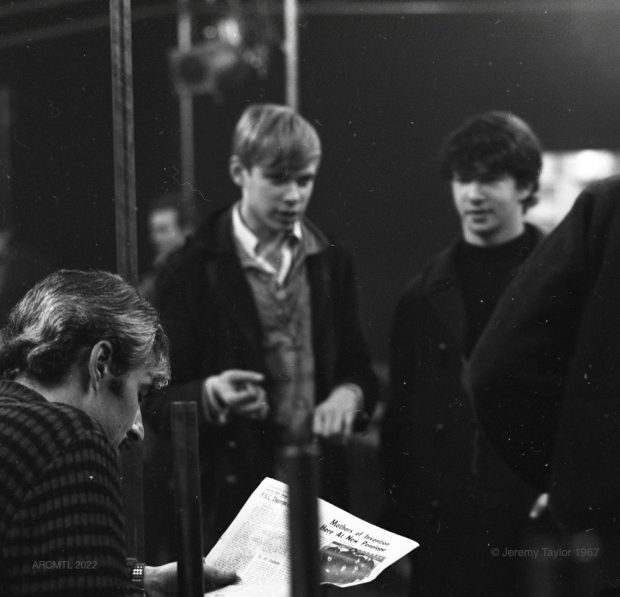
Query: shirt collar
x: 247, y: 239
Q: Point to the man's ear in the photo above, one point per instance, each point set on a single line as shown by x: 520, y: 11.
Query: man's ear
x: 236, y: 169
x: 99, y: 363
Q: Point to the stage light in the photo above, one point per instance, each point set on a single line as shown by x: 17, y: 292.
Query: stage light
x: 230, y: 56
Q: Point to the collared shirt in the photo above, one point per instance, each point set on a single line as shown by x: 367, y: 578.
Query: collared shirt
x: 282, y: 299
x: 283, y: 302
x: 250, y: 244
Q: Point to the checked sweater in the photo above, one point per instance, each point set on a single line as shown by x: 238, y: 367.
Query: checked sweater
x: 61, y: 526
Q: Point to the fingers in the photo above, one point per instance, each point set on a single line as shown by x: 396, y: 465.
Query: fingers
x: 257, y: 408
x: 239, y: 392
x: 236, y: 387
x: 347, y: 425
x: 244, y: 397
x: 540, y: 505
x: 161, y: 581
x: 241, y: 376
x: 335, y: 417
x: 216, y: 578
x: 333, y: 422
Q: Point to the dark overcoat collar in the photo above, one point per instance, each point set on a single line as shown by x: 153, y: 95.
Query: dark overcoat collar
x: 443, y: 290
x: 443, y: 293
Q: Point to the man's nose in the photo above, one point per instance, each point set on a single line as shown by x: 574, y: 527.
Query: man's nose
x: 473, y: 191
x: 293, y: 192
x: 136, y: 433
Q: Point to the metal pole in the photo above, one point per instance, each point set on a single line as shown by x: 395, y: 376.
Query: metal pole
x: 126, y: 235
x: 301, y: 471
x: 184, y: 421
x: 185, y: 36
x: 291, y: 51
x: 124, y: 157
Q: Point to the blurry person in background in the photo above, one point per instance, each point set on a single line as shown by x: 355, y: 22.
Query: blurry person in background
x: 168, y: 230
x: 446, y: 487
x: 78, y: 354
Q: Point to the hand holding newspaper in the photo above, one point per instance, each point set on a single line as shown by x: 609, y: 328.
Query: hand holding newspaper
x: 255, y: 546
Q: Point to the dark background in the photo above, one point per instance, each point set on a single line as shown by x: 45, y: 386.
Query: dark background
x: 383, y: 90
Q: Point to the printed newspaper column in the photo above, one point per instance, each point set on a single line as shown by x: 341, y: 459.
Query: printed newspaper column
x: 255, y: 546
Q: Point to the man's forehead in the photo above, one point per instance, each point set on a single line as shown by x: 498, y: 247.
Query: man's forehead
x: 167, y: 213
x: 480, y: 174
x: 292, y: 169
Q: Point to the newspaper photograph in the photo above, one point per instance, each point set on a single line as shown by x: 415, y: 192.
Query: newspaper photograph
x: 255, y: 546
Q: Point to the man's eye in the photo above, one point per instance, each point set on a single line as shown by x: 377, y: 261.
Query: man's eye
x: 277, y: 178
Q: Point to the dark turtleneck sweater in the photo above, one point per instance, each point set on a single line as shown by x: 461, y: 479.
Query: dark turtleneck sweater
x: 485, y: 272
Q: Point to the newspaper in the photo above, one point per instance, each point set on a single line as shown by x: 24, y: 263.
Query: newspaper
x: 255, y: 546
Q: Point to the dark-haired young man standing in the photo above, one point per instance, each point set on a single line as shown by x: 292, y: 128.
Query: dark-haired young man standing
x: 446, y: 487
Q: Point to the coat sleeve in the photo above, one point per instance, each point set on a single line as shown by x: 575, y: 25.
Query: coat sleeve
x: 517, y: 372
x: 173, y: 300
x: 397, y: 423
x: 353, y: 363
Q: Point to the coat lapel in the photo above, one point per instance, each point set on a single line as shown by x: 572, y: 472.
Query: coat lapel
x: 235, y: 295
x: 225, y: 275
x: 319, y: 275
x: 318, y: 278
x: 444, y: 295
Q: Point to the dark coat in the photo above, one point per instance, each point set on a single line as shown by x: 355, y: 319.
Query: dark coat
x: 545, y: 376
x: 213, y: 324
x: 447, y: 488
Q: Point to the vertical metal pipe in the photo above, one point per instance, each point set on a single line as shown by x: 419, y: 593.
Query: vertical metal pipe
x: 124, y: 157
x: 291, y: 51
x: 184, y: 421
x: 126, y: 235
x: 301, y: 470
x: 185, y: 36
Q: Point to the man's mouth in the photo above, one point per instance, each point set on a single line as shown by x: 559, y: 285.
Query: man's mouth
x: 288, y: 216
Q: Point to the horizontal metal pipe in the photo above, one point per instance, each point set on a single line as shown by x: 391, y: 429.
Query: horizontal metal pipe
x: 324, y: 8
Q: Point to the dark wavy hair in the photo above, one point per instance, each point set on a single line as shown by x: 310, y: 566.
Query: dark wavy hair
x: 70, y: 310
x: 490, y: 145
x: 275, y: 136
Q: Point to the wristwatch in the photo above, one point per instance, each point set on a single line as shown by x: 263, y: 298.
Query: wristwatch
x: 136, y: 572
